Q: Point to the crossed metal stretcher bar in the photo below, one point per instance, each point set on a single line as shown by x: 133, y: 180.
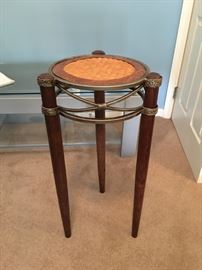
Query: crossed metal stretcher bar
x: 70, y: 112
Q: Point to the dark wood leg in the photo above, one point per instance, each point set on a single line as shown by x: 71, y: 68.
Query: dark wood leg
x: 99, y: 97
x: 145, y: 136
x: 52, y: 119
x: 100, y: 140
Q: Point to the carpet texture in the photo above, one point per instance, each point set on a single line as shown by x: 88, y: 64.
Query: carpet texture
x: 170, y: 235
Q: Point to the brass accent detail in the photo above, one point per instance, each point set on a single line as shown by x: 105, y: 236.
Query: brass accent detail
x: 101, y: 106
x: 45, y: 80
x: 71, y: 112
x: 150, y: 111
x: 132, y: 91
x: 50, y: 111
x: 153, y: 83
x: 89, y: 120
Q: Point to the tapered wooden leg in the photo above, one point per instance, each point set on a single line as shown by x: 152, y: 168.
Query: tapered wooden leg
x: 100, y: 140
x: 99, y: 97
x: 52, y: 119
x: 145, y: 136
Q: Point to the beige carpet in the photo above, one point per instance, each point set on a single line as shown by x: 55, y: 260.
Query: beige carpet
x: 170, y: 236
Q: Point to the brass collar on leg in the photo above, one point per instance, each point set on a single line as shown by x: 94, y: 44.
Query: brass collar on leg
x: 149, y: 111
x: 65, y: 113
x: 50, y: 111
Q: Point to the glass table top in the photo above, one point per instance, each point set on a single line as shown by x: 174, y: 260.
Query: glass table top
x: 20, y: 130
x: 25, y: 76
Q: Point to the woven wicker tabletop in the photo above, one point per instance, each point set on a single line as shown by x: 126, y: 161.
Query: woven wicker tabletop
x: 99, y: 72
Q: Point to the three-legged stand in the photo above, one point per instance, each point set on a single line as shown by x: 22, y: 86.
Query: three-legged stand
x: 51, y: 112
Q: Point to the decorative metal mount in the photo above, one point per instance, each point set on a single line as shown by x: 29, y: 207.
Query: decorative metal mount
x: 45, y: 80
x: 149, y: 111
x: 153, y: 82
x: 50, y: 111
x: 128, y: 113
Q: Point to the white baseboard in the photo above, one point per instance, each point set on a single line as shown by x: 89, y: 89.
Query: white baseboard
x: 161, y: 113
x: 199, y: 181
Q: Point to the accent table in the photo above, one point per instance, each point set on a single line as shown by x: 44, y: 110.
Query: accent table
x: 99, y: 73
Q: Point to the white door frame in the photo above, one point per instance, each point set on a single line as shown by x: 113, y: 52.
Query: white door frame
x: 183, y: 29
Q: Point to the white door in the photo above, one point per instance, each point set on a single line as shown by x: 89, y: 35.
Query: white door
x: 187, y: 113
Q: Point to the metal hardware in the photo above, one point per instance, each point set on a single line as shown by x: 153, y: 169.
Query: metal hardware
x: 153, y: 83
x: 50, y: 111
x: 101, y: 106
x: 70, y: 112
x: 131, y: 92
x: 175, y: 92
x: 100, y: 121
x: 45, y: 80
x: 150, y: 111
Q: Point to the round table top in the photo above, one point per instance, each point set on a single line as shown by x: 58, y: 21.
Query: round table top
x: 99, y: 72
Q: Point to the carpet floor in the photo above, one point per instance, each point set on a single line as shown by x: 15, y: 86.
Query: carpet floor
x: 170, y: 235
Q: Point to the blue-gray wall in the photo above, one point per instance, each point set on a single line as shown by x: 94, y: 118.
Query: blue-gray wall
x: 48, y: 30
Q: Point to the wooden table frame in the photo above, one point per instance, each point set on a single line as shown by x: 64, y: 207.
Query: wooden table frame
x: 52, y: 118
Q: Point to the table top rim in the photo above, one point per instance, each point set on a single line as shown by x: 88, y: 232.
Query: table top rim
x: 99, y: 86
